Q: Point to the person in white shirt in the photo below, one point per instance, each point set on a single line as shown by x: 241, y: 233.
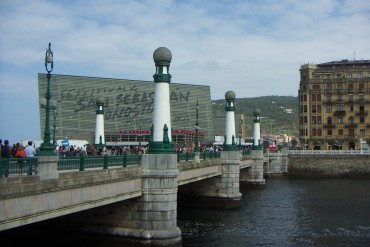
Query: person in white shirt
x: 30, y: 152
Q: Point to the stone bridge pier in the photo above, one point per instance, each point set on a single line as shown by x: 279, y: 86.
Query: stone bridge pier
x: 150, y: 218
x: 222, y: 191
x: 253, y: 176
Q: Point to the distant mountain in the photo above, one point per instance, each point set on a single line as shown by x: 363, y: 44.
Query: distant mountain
x: 279, y: 114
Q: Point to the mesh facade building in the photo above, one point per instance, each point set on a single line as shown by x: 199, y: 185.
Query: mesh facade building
x: 128, y: 106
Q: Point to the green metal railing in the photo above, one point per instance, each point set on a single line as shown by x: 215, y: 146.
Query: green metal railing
x: 85, y: 162
x: 28, y: 166
x: 17, y: 166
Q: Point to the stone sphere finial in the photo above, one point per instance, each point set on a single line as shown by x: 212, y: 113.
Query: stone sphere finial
x: 230, y: 95
x: 100, y: 100
x: 257, y: 112
x: 162, y: 56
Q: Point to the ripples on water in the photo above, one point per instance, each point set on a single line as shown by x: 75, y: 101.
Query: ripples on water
x: 309, y: 212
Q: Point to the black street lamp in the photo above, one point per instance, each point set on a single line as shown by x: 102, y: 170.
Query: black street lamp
x: 196, y: 148
x: 47, y: 148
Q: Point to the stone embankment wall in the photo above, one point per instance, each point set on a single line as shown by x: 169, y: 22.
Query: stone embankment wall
x: 340, y: 165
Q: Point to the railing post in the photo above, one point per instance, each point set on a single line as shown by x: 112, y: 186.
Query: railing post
x: 1, y: 169
x: 29, y: 164
x: 82, y: 163
x: 178, y: 157
x: 124, y: 159
x: 105, y: 162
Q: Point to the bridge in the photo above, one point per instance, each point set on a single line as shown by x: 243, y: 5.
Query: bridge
x: 146, y: 189
x: 84, y: 185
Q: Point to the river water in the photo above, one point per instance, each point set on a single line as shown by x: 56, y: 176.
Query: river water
x: 287, y: 212
x: 304, y: 212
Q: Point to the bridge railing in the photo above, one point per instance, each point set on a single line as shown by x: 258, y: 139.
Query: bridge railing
x: 87, y: 162
x: 355, y: 152
x: 17, y: 166
x: 202, y: 155
x: 28, y: 166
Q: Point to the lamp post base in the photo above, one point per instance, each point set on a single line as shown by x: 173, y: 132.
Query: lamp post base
x: 46, y: 150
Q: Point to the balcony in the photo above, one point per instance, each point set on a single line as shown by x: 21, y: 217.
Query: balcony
x: 329, y: 125
x: 327, y: 101
x: 361, y: 113
x: 339, y: 113
x: 360, y: 101
x: 350, y: 125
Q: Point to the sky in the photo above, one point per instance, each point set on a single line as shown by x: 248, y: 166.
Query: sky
x: 252, y: 47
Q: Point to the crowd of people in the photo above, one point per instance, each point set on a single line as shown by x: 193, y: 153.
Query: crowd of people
x: 16, y: 151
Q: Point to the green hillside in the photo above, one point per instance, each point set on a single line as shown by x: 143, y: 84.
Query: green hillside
x: 275, y: 117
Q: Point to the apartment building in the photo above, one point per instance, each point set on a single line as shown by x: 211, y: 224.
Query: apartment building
x: 334, y: 100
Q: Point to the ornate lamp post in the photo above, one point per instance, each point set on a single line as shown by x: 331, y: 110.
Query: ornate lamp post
x: 53, y: 105
x: 47, y: 148
x: 196, y: 148
x: 240, y: 132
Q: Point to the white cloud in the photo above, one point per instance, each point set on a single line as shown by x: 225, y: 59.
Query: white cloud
x: 252, y: 47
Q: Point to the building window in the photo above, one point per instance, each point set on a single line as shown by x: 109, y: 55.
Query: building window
x: 330, y: 120
x: 313, y: 108
x: 328, y: 99
x: 314, y: 132
x: 349, y: 76
x: 340, y: 98
x: 350, y: 108
x: 330, y: 132
x: 350, y: 97
x: 318, y: 108
x: 339, y: 76
x: 313, y: 120
x: 328, y: 108
x: 362, y: 132
x: 351, y: 132
x: 305, y: 108
x: 340, y: 120
x: 319, y: 132
x: 313, y: 97
x: 305, y: 97
x: 340, y: 132
x: 360, y: 76
x: 361, y: 96
x: 362, y: 119
x: 339, y: 107
x: 318, y: 119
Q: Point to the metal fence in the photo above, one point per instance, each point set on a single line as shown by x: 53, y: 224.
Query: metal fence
x: 28, y: 166
x: 17, y: 166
